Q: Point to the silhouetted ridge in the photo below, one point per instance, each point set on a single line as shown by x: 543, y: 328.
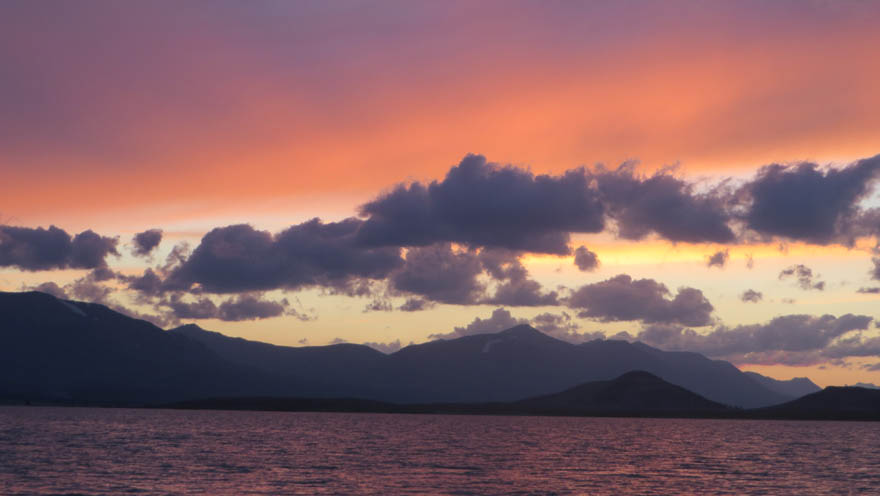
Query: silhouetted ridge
x: 525, y: 331
x: 796, y: 387
x: 53, y: 349
x: 833, y: 402
x: 633, y: 392
x: 69, y: 349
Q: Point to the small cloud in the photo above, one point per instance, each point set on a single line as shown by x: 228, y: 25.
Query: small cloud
x: 500, y: 320
x: 49, y: 288
x: 718, y: 259
x: 145, y: 242
x: 415, y: 305
x: 378, y: 305
x: 250, y: 307
x: 751, y: 296
x: 804, y: 276
x: 561, y: 326
x: 585, y: 260
x: 623, y: 298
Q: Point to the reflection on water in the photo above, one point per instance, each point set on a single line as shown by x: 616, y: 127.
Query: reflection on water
x: 112, y: 451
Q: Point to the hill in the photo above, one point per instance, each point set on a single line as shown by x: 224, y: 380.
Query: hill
x: 832, y: 403
x: 636, y: 393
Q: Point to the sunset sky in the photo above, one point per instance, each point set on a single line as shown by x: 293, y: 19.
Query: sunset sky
x: 700, y: 176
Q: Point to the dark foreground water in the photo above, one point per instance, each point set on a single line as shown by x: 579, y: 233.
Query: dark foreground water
x: 115, y: 451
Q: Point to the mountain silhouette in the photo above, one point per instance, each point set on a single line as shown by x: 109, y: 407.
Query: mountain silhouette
x: 326, y: 371
x: 505, y: 366
x: 636, y: 392
x: 84, y: 352
x: 833, y: 402
x: 66, y: 350
x: 796, y: 387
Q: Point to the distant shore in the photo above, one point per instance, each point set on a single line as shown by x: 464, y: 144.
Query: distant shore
x: 354, y: 405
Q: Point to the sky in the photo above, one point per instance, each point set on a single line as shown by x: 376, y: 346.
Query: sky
x: 695, y: 175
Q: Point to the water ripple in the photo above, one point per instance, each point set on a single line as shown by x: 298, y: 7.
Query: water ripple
x: 114, y: 451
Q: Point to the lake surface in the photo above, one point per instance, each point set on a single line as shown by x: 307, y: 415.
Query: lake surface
x: 115, y: 451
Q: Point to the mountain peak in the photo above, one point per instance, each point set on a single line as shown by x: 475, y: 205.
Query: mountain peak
x: 522, y: 330
x: 188, y: 327
x: 638, y: 376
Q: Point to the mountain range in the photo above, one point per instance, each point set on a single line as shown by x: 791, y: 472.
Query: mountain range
x: 509, y: 365
x: 53, y: 349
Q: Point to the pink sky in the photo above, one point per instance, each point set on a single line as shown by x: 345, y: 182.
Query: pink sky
x: 186, y: 117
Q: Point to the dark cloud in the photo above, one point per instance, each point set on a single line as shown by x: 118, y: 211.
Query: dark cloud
x: 299, y: 315
x: 503, y: 264
x: 415, y: 305
x: 562, y: 326
x: 250, y: 307
x: 176, y: 257
x: 484, y: 204
x: 161, y: 320
x: 440, y: 274
x: 854, y: 346
x: 35, y: 249
x: 804, y: 276
x: 240, y: 258
x: 239, y: 308
x: 751, y: 296
x: 500, y: 320
x: 201, y: 308
x: 378, y: 305
x: 145, y: 242
x: 623, y: 299
x: 50, y: 288
x: 875, y: 271
x: 664, y: 205
x: 103, y: 274
x: 89, y: 250
x: 874, y: 290
x: 149, y: 283
x: 718, y: 259
x: 585, y: 260
x: 88, y: 289
x: 522, y: 293
x: 514, y: 288
x: 789, y: 339
x: 806, y: 203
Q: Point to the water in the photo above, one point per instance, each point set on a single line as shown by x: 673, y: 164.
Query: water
x: 116, y: 451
